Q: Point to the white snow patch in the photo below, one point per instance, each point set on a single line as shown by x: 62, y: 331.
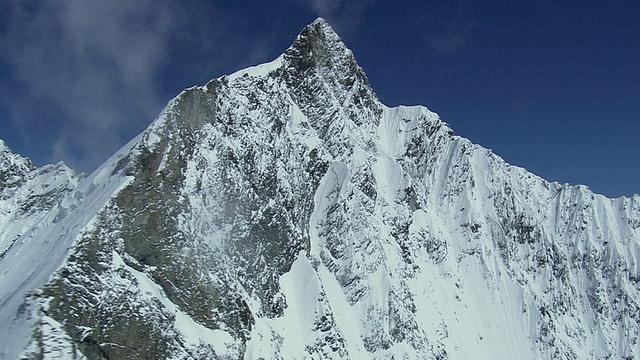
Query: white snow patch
x: 344, y: 314
x: 258, y: 70
x: 56, y: 344
x: 37, y: 254
x: 193, y: 333
x: 301, y: 288
x: 329, y: 190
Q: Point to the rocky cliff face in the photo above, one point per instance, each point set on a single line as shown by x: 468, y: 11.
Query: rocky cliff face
x: 284, y: 212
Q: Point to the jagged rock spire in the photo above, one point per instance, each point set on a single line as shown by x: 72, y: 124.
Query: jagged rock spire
x: 319, y: 48
x: 317, y: 45
x: 322, y: 72
x: 13, y: 167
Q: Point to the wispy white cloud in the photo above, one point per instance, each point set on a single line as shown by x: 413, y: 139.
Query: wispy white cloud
x: 448, y: 25
x: 85, y: 76
x: 96, y: 69
x: 94, y: 62
x: 343, y: 15
x: 447, y: 45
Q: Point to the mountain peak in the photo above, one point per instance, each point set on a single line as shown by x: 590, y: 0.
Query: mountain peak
x: 318, y: 45
x: 284, y: 212
x: 321, y: 25
x: 5, y: 151
x: 320, y: 64
x: 12, y: 166
x: 320, y: 20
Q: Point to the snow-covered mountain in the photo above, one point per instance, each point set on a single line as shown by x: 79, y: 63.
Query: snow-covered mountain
x: 284, y: 212
x: 30, y: 203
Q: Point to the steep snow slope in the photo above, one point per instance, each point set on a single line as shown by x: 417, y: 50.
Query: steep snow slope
x: 30, y: 200
x: 27, y: 192
x: 58, y: 209
x: 283, y: 212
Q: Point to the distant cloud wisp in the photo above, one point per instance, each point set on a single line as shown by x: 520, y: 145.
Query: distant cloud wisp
x: 343, y: 15
x: 94, y: 61
x: 447, y: 45
x: 448, y: 26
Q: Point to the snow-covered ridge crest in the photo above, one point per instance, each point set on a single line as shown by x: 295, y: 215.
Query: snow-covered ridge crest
x: 320, y: 30
x: 12, y: 166
x: 258, y: 70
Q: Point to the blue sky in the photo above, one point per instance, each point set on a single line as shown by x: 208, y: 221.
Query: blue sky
x: 552, y: 86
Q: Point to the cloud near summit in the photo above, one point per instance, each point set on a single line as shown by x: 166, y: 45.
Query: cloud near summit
x: 343, y: 15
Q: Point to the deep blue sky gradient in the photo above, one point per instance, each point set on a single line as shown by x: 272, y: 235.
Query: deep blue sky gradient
x: 552, y: 86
